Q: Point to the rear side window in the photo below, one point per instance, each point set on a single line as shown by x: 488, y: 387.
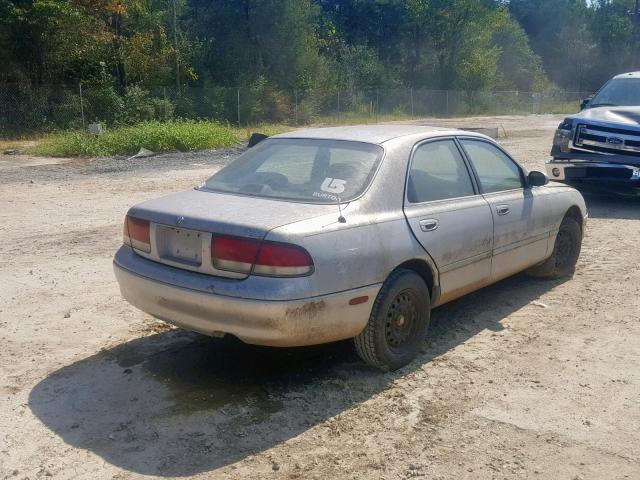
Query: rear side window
x: 438, y: 172
x: 496, y: 171
x: 305, y: 170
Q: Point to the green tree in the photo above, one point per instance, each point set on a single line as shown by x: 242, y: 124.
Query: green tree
x: 519, y: 67
x: 560, y: 33
x: 615, y: 33
x: 244, y: 40
x: 459, y: 33
x: 46, y: 41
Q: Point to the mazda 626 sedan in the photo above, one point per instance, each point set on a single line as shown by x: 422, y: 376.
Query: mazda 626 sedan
x: 351, y: 232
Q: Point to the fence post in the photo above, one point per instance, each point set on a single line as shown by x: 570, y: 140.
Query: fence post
x: 447, y: 111
x: 81, y: 105
x: 295, y: 94
x: 338, y: 105
x: 164, y: 107
x: 238, y: 90
x: 377, y: 103
x: 411, y: 91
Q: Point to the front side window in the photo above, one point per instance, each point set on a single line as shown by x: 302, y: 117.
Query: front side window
x: 438, y: 172
x: 496, y: 171
x: 304, y: 170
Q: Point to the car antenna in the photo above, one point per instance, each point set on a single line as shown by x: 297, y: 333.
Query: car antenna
x: 341, y: 218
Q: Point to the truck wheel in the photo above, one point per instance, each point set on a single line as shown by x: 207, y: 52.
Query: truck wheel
x: 398, y: 323
x: 566, y: 251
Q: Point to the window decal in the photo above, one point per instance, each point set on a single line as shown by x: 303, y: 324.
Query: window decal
x: 333, y: 185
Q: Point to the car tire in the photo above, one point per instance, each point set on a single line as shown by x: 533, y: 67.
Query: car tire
x: 566, y: 250
x: 398, y: 323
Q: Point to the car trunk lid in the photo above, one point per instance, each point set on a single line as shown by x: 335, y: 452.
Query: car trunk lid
x: 182, y: 224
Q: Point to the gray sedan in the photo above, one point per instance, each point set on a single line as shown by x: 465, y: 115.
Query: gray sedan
x: 350, y: 232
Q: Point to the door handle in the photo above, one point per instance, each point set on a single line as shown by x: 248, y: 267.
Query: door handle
x: 503, y: 209
x: 428, y: 225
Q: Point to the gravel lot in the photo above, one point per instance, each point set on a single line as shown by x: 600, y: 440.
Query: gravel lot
x: 524, y: 379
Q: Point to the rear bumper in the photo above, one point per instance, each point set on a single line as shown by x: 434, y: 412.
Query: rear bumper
x: 307, y: 321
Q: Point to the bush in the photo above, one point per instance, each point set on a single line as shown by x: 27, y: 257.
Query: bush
x: 28, y: 109
x: 137, y: 106
x: 163, y: 109
x: 63, y: 111
x: 214, y: 103
x: 103, y: 104
x: 262, y: 102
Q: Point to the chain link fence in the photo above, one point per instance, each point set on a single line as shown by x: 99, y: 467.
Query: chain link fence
x: 27, y: 110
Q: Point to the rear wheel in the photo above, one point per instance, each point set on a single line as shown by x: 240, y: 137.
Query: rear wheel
x: 566, y: 251
x: 398, y: 323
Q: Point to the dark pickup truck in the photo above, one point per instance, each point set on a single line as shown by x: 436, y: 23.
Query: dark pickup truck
x: 599, y: 148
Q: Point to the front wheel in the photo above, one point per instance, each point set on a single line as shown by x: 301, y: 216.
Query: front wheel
x: 398, y: 323
x: 562, y: 262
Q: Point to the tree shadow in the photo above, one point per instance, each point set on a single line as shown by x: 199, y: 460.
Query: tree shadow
x: 178, y: 404
x: 612, y: 207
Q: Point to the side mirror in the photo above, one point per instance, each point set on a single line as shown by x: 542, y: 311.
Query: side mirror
x: 256, y: 138
x: 585, y: 102
x: 537, y: 179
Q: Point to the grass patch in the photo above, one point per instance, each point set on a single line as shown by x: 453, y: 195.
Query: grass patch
x: 155, y: 136
x: 560, y: 107
x: 18, y: 145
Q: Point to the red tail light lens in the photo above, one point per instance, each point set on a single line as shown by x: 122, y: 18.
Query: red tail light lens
x: 282, y: 260
x: 234, y: 254
x: 137, y: 234
x: 243, y: 255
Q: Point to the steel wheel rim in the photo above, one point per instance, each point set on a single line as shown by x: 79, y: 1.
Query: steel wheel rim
x: 402, y: 319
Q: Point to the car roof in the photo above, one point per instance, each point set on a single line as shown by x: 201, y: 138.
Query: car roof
x: 372, y: 133
x: 628, y: 75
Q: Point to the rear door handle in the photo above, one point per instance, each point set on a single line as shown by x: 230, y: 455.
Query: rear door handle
x: 503, y: 209
x: 428, y: 225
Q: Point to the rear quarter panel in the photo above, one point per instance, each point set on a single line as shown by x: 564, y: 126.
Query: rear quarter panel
x: 362, y: 251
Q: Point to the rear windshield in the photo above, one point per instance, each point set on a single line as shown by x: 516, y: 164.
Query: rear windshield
x: 624, y: 92
x: 304, y: 170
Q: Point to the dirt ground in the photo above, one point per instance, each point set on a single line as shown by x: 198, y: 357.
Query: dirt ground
x: 524, y: 379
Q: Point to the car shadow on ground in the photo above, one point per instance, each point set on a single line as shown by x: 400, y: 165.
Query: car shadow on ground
x: 610, y: 207
x: 178, y: 404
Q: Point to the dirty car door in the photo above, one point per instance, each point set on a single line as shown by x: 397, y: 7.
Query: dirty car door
x: 449, y: 217
x: 521, y: 216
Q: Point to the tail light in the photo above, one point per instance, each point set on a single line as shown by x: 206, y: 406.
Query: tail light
x: 271, y: 259
x: 137, y: 234
x: 282, y: 260
x: 234, y: 254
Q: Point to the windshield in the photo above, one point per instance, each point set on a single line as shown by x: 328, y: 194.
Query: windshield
x: 305, y: 170
x: 618, y: 92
